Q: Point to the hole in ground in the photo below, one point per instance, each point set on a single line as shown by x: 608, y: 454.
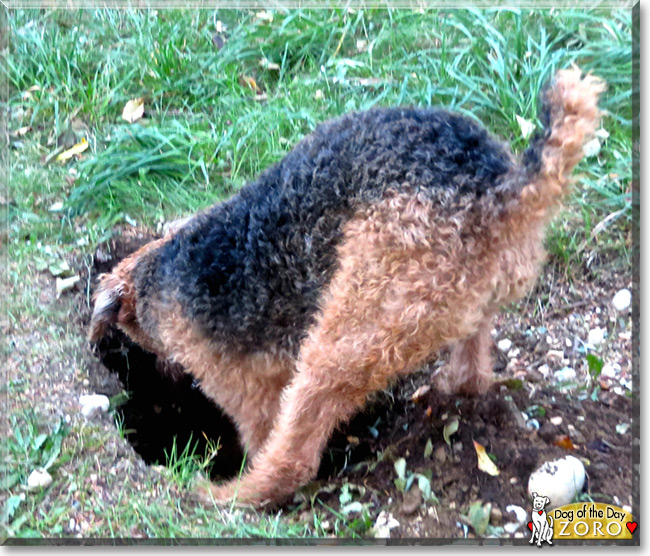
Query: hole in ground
x: 165, y: 410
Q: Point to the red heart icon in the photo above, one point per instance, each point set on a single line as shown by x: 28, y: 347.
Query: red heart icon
x: 540, y: 512
x: 631, y: 526
x: 530, y: 525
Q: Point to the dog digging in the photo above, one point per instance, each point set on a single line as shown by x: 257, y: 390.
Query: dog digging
x: 350, y: 263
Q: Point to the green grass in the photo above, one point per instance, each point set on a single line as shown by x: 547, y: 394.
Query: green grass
x: 67, y: 75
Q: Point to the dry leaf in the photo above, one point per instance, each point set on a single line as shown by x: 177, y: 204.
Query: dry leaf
x: 591, y: 148
x: 76, y: 149
x: 485, y: 464
x: 65, y: 284
x: 267, y: 64
x: 563, y: 441
x: 526, y: 127
x: 248, y: 81
x: 133, y: 110
x: 264, y: 16
x: 420, y: 393
x: 450, y: 429
x: 22, y: 131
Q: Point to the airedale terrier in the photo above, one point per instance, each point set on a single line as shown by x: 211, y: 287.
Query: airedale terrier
x: 382, y: 237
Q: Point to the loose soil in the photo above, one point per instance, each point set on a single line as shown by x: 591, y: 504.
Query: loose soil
x: 164, y: 407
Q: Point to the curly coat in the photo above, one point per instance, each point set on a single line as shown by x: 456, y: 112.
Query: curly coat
x: 381, y: 238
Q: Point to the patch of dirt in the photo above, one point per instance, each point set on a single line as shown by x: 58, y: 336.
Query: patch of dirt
x: 578, y: 417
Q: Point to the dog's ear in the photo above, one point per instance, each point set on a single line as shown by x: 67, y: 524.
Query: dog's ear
x: 534, y: 495
x: 113, y: 304
x: 547, y: 500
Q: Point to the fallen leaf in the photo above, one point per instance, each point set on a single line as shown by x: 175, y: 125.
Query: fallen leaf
x: 264, y: 16
x: 564, y: 441
x: 76, y: 149
x: 591, y: 148
x: 485, y: 464
x: 450, y: 428
x: 428, y: 449
x: 525, y: 126
x: 420, y: 393
x: 248, y: 81
x: 65, y: 284
x: 133, y: 110
x: 267, y: 64
x: 479, y: 517
x: 22, y: 131
x: 59, y: 268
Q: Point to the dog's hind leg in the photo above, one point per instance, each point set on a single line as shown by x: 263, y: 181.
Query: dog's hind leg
x: 397, y: 297
x: 470, y: 363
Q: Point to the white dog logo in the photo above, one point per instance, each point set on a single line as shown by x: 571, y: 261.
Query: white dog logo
x: 542, y: 525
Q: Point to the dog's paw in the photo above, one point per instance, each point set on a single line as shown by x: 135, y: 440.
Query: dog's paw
x: 230, y: 494
x: 210, y: 494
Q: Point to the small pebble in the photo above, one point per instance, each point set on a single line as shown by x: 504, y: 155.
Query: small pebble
x: 557, y: 421
x: 93, y: 404
x: 385, y: 522
x: 411, y: 500
x: 561, y: 480
x: 565, y: 374
x: 555, y: 355
x: 596, y: 336
x: 440, y: 454
x: 610, y: 371
x: 532, y: 424
x: 511, y: 528
x: 534, y: 376
x: 576, y: 435
x: 496, y: 517
x: 38, y: 479
x: 514, y: 352
x: 622, y: 300
x: 504, y: 345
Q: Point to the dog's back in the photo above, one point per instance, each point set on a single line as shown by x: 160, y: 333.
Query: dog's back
x: 251, y: 270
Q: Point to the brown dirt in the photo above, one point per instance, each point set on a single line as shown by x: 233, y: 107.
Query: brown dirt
x: 547, y: 334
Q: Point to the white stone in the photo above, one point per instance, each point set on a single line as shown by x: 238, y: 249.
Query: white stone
x: 504, y: 345
x: 609, y: 371
x: 561, y: 480
x: 511, y: 528
x: 514, y: 352
x: 93, y: 404
x: 519, y: 513
x: 39, y: 478
x: 596, y: 336
x: 385, y: 522
x: 565, y: 374
x: 622, y: 300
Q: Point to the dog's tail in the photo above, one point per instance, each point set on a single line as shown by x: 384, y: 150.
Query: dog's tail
x: 570, y: 115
